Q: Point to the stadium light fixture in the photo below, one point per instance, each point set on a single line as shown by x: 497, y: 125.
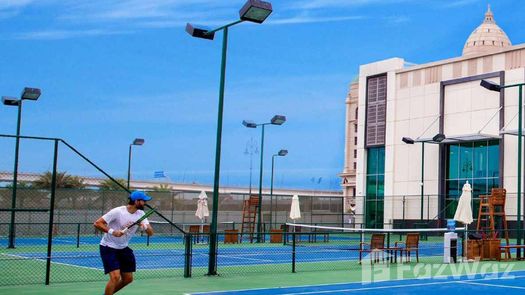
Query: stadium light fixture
x: 136, y: 141
x: 281, y: 153
x: 254, y: 11
x: 28, y: 93
x: 276, y: 120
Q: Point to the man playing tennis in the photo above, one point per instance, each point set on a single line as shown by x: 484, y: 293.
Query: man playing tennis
x: 119, y: 228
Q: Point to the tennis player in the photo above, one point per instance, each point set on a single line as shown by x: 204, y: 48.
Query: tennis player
x: 117, y: 257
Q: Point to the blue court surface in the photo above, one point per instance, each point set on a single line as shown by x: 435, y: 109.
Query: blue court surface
x: 511, y: 283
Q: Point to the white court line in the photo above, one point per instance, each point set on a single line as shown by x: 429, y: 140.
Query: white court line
x: 368, y: 289
x: 244, y: 258
x: 44, y: 260
x: 491, y: 285
x: 371, y: 288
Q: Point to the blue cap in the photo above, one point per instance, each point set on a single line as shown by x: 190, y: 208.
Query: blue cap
x: 138, y: 195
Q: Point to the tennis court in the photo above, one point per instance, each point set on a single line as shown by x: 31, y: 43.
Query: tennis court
x: 511, y: 283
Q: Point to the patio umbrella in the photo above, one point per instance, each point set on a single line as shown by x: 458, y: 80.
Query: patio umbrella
x: 464, y: 210
x: 202, y: 206
x: 295, y: 210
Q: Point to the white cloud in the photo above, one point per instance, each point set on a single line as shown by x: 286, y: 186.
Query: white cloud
x: 313, y: 19
x: 65, y: 34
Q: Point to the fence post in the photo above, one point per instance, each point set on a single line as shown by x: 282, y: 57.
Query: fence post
x: 293, y: 251
x: 78, y: 235
x: 51, y: 213
x: 187, y: 255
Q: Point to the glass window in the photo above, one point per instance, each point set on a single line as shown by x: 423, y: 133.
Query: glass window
x: 475, y: 162
x: 375, y: 179
x: 453, y: 162
x: 465, y: 160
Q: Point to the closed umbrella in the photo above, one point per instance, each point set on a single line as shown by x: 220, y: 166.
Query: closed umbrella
x: 202, y: 209
x: 202, y: 206
x: 464, y: 210
x: 295, y: 210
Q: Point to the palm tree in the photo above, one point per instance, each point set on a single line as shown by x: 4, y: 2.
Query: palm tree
x: 110, y: 185
x: 63, y: 180
x: 163, y: 187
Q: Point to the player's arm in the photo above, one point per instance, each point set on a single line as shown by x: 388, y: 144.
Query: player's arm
x: 102, y: 225
x: 148, y: 229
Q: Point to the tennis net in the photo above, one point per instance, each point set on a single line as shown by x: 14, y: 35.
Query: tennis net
x: 324, y: 245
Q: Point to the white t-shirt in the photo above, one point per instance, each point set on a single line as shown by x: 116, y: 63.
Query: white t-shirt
x: 117, y: 219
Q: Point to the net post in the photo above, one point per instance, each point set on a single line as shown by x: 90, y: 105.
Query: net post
x: 187, y: 255
x: 147, y: 240
x: 293, y: 251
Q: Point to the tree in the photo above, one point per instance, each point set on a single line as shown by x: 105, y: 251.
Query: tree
x: 163, y: 187
x: 63, y: 180
x: 110, y: 185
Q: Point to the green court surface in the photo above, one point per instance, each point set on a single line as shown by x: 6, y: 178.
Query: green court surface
x: 237, y: 281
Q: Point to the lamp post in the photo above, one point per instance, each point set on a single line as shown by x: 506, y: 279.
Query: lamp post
x: 281, y: 153
x: 251, y: 149
x: 497, y: 88
x: 254, y: 11
x: 27, y: 94
x: 276, y: 120
x: 438, y: 138
x: 137, y: 141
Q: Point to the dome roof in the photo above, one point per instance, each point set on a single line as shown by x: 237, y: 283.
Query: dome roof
x: 486, y: 38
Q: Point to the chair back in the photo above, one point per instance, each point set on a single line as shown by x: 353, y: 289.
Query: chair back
x: 412, y: 240
x: 206, y: 228
x: 497, y: 197
x: 194, y: 228
x: 377, y: 241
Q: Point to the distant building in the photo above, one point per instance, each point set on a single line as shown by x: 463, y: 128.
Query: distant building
x: 350, y: 166
x: 392, y: 100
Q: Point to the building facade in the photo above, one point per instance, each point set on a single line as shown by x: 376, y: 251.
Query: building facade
x: 425, y: 130
x: 348, y: 182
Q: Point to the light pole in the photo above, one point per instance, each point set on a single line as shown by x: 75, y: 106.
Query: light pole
x: 438, y: 138
x: 254, y: 11
x: 251, y: 148
x: 281, y: 153
x: 137, y: 141
x: 27, y: 94
x: 276, y: 120
x: 496, y: 87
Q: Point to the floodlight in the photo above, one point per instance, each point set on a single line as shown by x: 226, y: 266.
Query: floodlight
x: 255, y: 11
x: 200, y: 32
x: 439, y: 137
x: 249, y: 124
x: 490, y: 85
x: 10, y: 101
x: 408, y: 140
x: 30, y: 93
x: 138, y: 141
x: 278, y: 120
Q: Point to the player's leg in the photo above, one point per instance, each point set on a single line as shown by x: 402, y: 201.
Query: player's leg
x: 128, y: 266
x: 127, y: 278
x: 114, y: 282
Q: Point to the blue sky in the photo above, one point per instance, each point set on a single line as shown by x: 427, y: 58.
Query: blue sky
x: 111, y: 71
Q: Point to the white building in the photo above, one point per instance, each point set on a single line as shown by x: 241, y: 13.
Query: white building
x: 419, y: 102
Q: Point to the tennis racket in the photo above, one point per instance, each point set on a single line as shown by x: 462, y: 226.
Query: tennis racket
x: 146, y: 215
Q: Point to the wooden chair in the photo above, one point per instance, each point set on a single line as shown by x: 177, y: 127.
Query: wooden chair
x: 375, y: 248
x: 206, y: 233
x: 410, y: 245
x: 195, y: 230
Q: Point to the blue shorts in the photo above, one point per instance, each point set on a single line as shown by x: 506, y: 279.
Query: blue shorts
x: 114, y: 259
